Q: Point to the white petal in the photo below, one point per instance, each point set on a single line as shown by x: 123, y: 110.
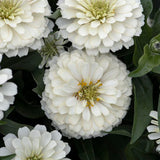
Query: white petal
x: 95, y: 110
x: 56, y: 135
x: 86, y: 114
x: 95, y: 24
x: 154, y: 136
x: 6, y: 33
x: 45, y: 139
x: 108, y: 42
x: 40, y: 128
x: 23, y: 132
x: 83, y: 30
x: 4, y: 152
x: 154, y: 114
x: 3, y: 78
x: 9, y: 89
x: 92, y: 42
x: 152, y: 128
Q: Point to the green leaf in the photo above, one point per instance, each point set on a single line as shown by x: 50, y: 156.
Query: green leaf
x: 38, y: 75
x: 143, y: 104
x: 122, y: 130
x: 104, y: 156
x: 145, y: 64
x: 9, y: 111
x: 156, y: 25
x: 2, y: 122
x: 147, y: 6
x: 150, y: 58
x: 27, y: 110
x: 146, y: 35
x: 11, y: 127
x: 156, y: 70
x: 140, y: 42
x: 85, y: 150
x: 10, y: 157
x: 55, y: 15
x: 141, y: 150
x: 28, y: 63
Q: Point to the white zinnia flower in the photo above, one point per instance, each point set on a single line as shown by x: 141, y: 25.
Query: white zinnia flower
x: 100, y: 25
x: 35, y: 144
x: 7, y: 90
x: 22, y: 24
x: 85, y: 95
x: 153, y: 129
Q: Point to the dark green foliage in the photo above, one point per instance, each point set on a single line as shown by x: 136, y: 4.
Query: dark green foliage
x: 126, y: 142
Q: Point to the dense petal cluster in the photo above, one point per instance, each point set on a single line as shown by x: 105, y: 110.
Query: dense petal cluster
x: 35, y: 144
x: 153, y: 129
x: 100, y: 25
x: 22, y: 24
x: 7, y: 90
x: 85, y: 95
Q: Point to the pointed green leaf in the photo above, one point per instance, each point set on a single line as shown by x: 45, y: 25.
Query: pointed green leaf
x: 143, y: 104
x: 28, y: 63
x: 11, y: 127
x: 2, y: 122
x: 146, y: 34
x: 38, y: 75
x: 56, y: 14
x: 156, y: 25
x: 141, y: 150
x: 156, y: 70
x: 140, y: 42
x: 147, y: 6
x: 85, y: 150
x: 150, y: 58
x: 123, y: 130
x: 10, y: 157
x: 28, y: 110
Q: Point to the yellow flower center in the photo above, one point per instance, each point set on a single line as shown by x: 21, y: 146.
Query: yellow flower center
x: 99, y: 9
x: 35, y: 157
x: 89, y: 92
x: 9, y: 9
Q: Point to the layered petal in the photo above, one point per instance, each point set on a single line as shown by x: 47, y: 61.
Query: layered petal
x: 84, y: 93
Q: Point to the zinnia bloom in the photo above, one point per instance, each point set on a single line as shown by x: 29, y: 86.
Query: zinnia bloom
x: 22, y: 24
x: 7, y: 90
x: 35, y: 144
x: 85, y: 95
x: 153, y: 129
x: 100, y: 25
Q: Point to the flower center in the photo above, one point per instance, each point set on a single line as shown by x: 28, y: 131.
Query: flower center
x: 35, y: 157
x: 100, y: 9
x: 89, y: 92
x: 9, y: 9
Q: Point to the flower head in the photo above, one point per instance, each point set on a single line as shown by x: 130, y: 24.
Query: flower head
x: 153, y: 129
x: 35, y: 144
x: 22, y: 24
x: 85, y: 95
x: 7, y: 90
x: 100, y: 25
